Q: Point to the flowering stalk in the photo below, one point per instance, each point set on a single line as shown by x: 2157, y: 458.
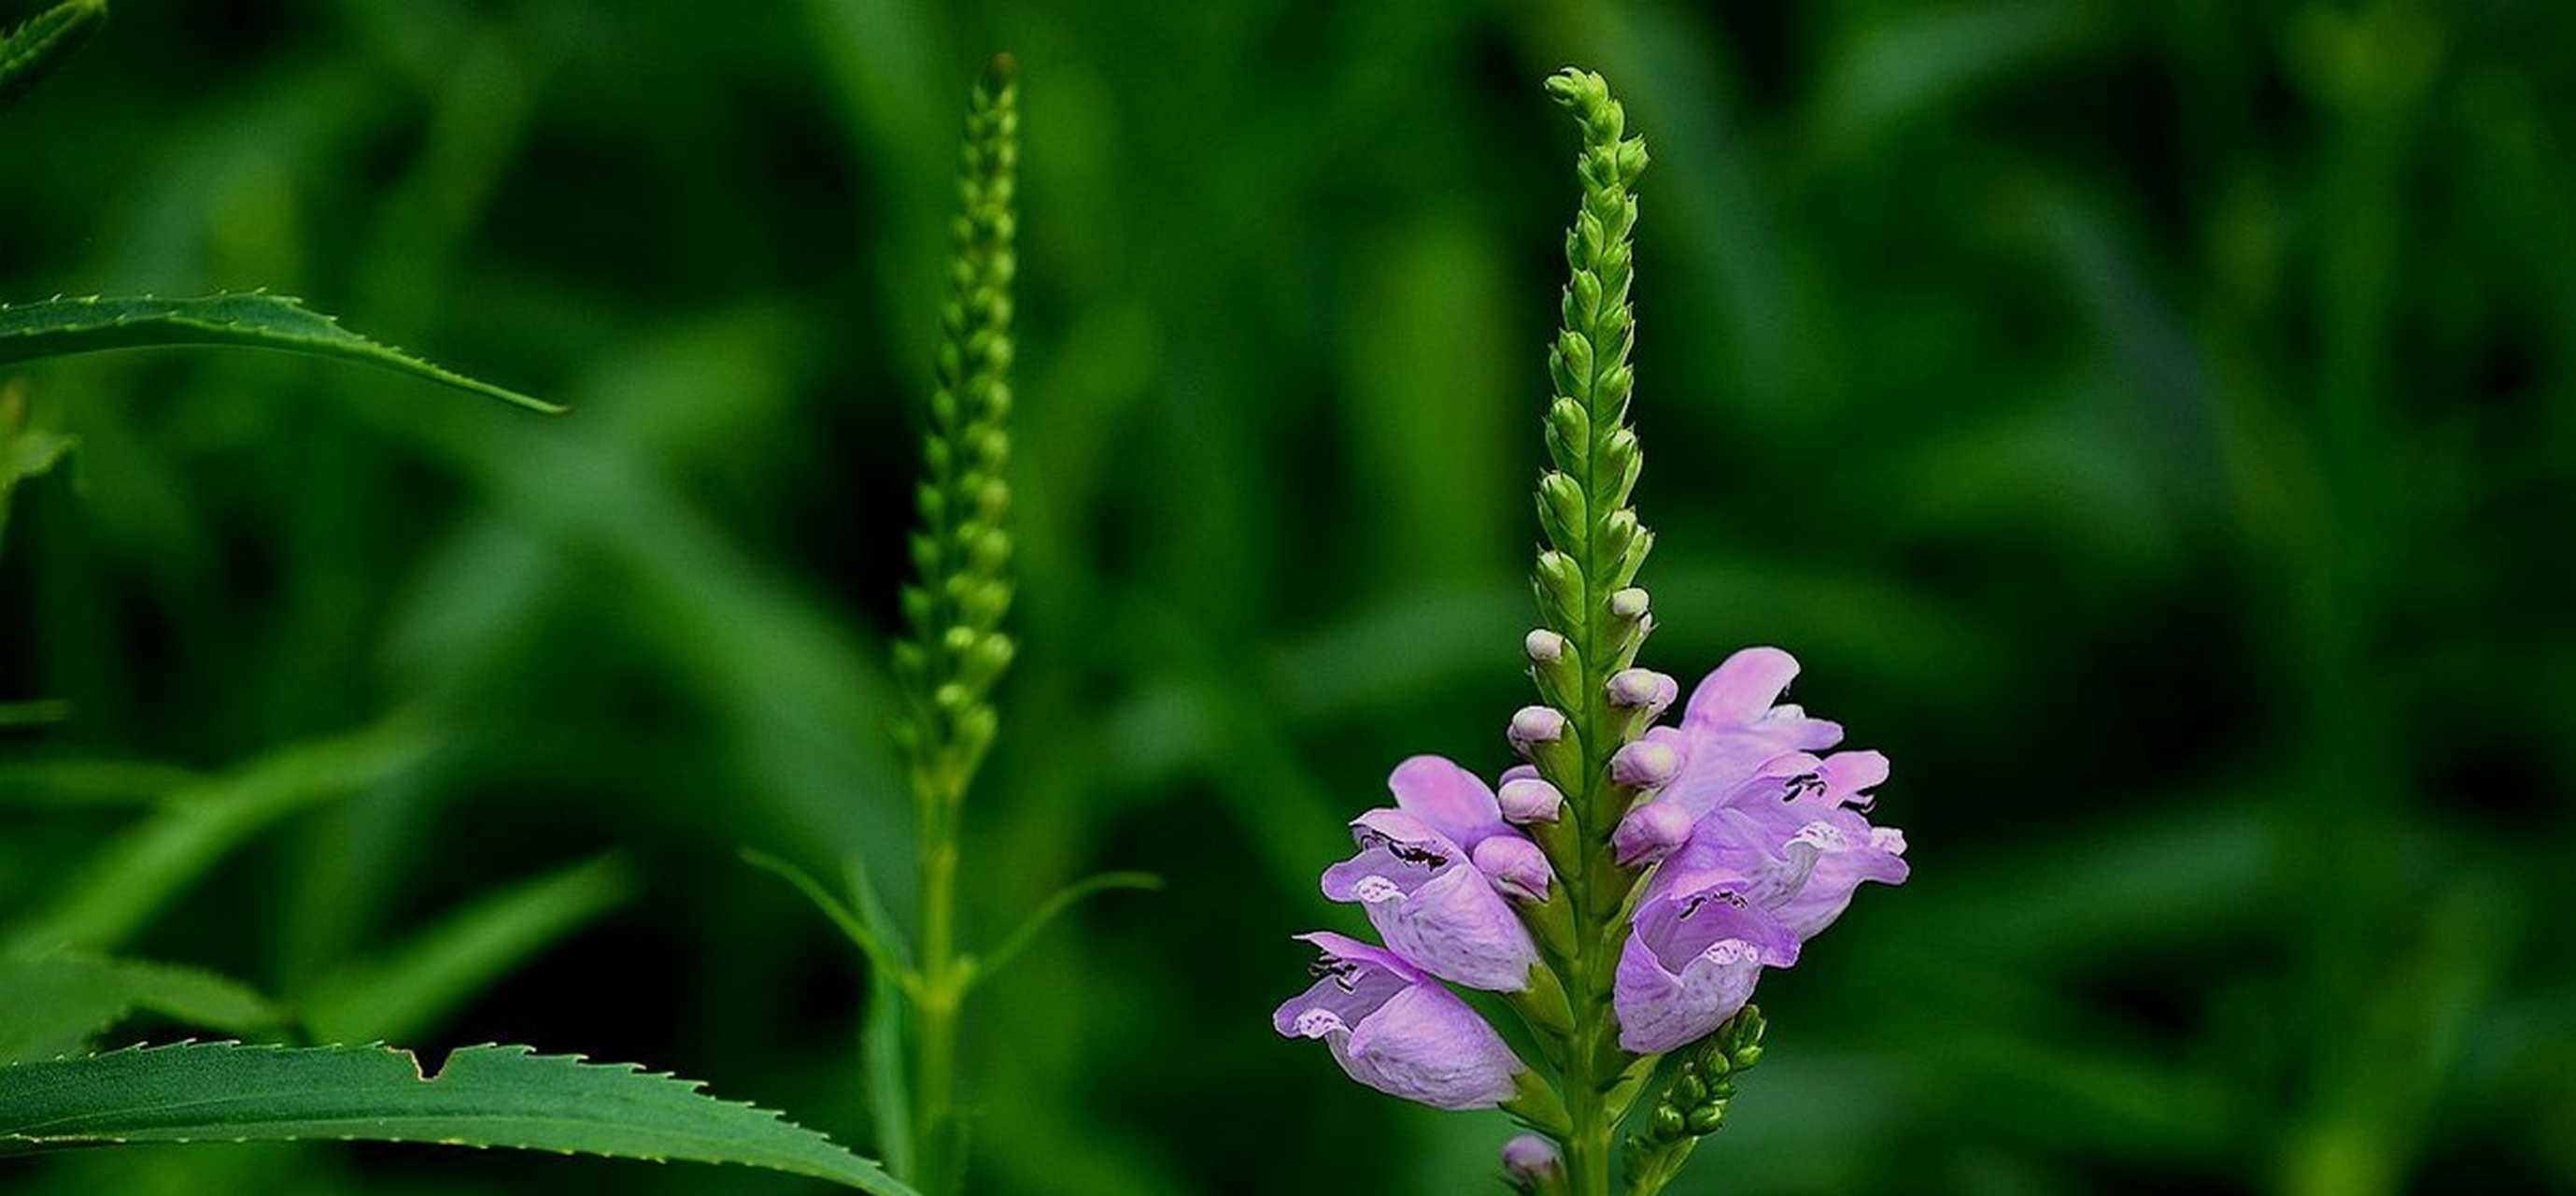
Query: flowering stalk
x: 1595, y: 547
x: 962, y: 551
x: 1623, y: 888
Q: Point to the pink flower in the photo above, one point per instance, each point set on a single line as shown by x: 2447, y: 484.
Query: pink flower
x: 1778, y: 843
x: 1397, y: 1030
x: 1416, y: 876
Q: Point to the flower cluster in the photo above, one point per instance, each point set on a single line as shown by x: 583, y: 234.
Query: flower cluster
x: 1755, y: 843
x: 1622, y: 888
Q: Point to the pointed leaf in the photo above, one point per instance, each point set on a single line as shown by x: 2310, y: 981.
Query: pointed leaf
x: 885, y: 1029
x: 891, y: 987
x: 506, y: 1096
x: 880, y: 955
x: 40, y: 45
x: 1048, y: 910
x: 59, y: 327
x: 56, y: 1004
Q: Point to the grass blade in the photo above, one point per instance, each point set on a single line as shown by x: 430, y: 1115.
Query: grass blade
x: 407, y: 990
x: 122, y: 888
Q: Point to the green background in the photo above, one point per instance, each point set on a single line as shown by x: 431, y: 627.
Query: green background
x: 2152, y: 424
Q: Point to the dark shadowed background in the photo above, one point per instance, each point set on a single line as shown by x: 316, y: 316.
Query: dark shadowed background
x: 2153, y: 425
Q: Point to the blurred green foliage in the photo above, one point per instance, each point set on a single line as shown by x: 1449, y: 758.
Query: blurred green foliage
x: 2151, y: 423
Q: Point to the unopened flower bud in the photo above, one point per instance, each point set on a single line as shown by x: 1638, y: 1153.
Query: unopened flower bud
x: 1544, y: 646
x: 1650, y: 832
x: 1515, y: 866
x: 1532, y: 1161
x: 1644, y: 765
x: 1533, y: 725
x: 1643, y: 689
x: 1629, y: 603
x: 1529, y: 799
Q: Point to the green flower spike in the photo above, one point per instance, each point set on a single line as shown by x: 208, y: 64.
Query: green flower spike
x: 1593, y: 617
x: 962, y: 550
x: 962, y: 553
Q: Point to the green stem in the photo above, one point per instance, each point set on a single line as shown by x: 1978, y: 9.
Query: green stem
x: 938, y: 997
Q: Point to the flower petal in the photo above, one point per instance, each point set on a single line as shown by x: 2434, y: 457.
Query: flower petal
x: 1742, y: 689
x: 1450, y: 799
x: 1426, y: 1045
x: 1689, y: 964
x: 1455, y: 926
x: 1398, y: 1031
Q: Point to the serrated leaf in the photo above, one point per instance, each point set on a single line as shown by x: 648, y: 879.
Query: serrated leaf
x: 56, y: 1004
x: 59, y: 327
x: 491, y: 1096
x: 40, y: 45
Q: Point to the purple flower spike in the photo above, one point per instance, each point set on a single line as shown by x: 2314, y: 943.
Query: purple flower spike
x: 1530, y: 799
x: 1650, y: 832
x: 1533, y: 725
x: 1645, y: 764
x: 1397, y: 1030
x: 1515, y: 865
x: 1544, y: 646
x: 1531, y: 1161
x: 1417, y: 882
x: 1643, y: 689
x: 1689, y: 964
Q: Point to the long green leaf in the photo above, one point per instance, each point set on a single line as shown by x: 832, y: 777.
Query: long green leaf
x: 505, y: 1096
x: 490, y: 1096
x: 59, y: 327
x: 43, y: 43
x: 881, y: 954
x: 146, y: 865
x: 892, y: 986
x: 56, y: 1004
x: 885, y: 1033
x: 407, y: 989
x: 86, y: 780
x: 1052, y: 908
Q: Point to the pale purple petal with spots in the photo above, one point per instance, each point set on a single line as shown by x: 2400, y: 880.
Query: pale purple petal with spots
x: 1689, y: 964
x: 1397, y: 1030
